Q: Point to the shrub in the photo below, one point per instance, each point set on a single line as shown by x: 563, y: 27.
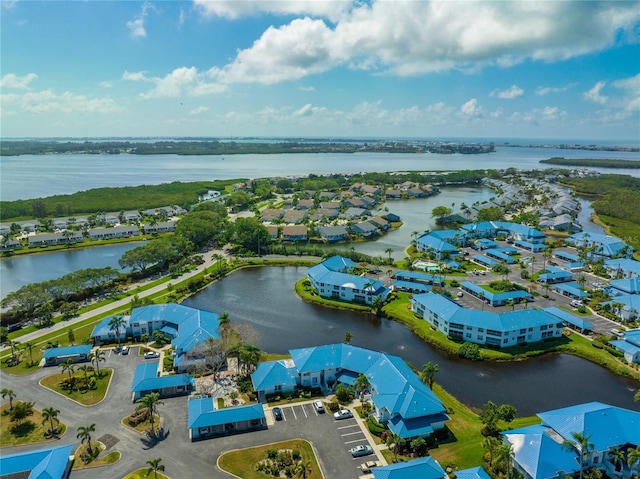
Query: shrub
x: 344, y: 393
x: 597, y: 344
x: 470, y: 351
x: 375, y: 427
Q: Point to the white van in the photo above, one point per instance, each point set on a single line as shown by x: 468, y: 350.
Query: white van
x: 576, y: 304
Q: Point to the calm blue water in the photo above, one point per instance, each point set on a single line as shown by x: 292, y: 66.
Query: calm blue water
x: 35, y: 176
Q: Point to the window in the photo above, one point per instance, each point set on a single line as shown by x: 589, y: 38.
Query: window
x: 523, y: 330
x: 543, y: 327
x: 277, y: 387
x: 480, y: 337
x: 468, y: 335
x: 505, y: 341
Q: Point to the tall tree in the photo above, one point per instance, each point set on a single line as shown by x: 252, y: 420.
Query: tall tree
x: 10, y: 394
x: 150, y: 403
x: 96, y: 357
x: 617, y: 458
x: 29, y: 345
x: 303, y: 468
x: 361, y: 383
x: 84, y: 434
x: 68, y: 367
x: 155, y: 466
x: 115, y: 324
x: 580, y: 443
x: 50, y: 414
x: 428, y: 374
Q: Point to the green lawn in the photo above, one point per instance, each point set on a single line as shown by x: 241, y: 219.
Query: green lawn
x: 100, y: 460
x: 84, y: 397
x: 242, y: 462
x: 142, y: 474
x: 30, y: 431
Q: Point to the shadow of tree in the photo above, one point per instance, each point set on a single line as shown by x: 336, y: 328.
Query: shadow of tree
x: 150, y: 440
x: 23, y: 429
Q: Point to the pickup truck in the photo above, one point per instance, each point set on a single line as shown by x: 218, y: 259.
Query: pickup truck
x: 366, y: 467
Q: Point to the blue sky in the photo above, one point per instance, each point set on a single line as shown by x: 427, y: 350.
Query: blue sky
x: 551, y: 69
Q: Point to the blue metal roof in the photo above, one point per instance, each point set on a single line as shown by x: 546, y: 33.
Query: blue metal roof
x: 320, y: 273
x: 67, y: 351
x: 624, y: 264
x: 472, y: 473
x: 628, y: 285
x: 411, y: 285
x: 494, y: 252
x: 146, y: 378
x: 480, y: 258
x: 202, y: 413
x: 272, y: 373
x: 572, y: 288
x: 418, y: 276
x: 492, y: 297
x: 424, y: 468
x: 531, y: 246
x: 48, y: 463
x: 569, y: 318
x: 566, y: 255
x: 606, y: 425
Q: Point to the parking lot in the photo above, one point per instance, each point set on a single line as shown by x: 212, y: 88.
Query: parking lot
x: 334, y: 437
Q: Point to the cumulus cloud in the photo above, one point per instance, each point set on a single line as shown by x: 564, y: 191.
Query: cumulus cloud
x: 594, y: 94
x: 547, y: 116
x: 631, y: 86
x: 550, y: 113
x: 11, y: 80
x: 471, y: 109
x: 137, y: 25
x: 545, y: 90
x: 417, y: 37
x: 232, y: 9
x: 510, y: 93
x: 185, y: 81
x: 47, y: 101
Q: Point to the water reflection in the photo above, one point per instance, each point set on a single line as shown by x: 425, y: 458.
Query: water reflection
x: 264, y: 298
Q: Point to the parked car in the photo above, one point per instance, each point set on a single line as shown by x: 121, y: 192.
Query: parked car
x: 361, y: 450
x: 151, y: 355
x: 617, y: 332
x: 576, y: 304
x: 277, y: 414
x: 343, y: 414
x: 366, y: 467
x: 319, y: 407
x: 124, y: 350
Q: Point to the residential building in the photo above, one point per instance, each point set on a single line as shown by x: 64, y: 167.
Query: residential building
x: 271, y: 214
x: 380, y: 222
x: 123, y: 231
x: 50, y: 239
x: 205, y: 421
x: 483, y: 327
x: 333, y: 233
x: 159, y: 227
x: 399, y: 398
x: 601, y: 244
x: 331, y: 280
x: 147, y: 378
x: 629, y: 345
x: 77, y: 354
x: 423, y: 468
x: 495, y: 299
x: 294, y: 216
x: 540, y: 453
x: 622, y: 268
x: 365, y: 228
x: 351, y: 213
x: 47, y: 463
x: 295, y: 233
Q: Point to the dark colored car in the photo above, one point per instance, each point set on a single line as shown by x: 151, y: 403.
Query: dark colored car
x: 277, y: 414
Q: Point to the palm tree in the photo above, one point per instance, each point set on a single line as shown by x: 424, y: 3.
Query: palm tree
x: 361, y: 383
x: 10, y: 394
x: 377, y: 305
x: 389, y: 251
x: 84, y: 433
x: 95, y: 357
x: 50, y: 414
x: 504, y: 453
x: 633, y: 457
x: 29, y: 345
x: 154, y: 466
x: 86, y: 369
x: 393, y: 440
x: 491, y: 444
x: 428, y: 374
x: 68, y: 367
x: 115, y: 323
x: 581, y: 444
x: 617, y: 458
x: 303, y: 469
x: 13, y: 345
x: 150, y: 402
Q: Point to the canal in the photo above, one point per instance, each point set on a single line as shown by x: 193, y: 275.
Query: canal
x: 265, y: 301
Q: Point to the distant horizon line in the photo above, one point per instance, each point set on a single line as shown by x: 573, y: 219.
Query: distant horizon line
x: 537, y: 140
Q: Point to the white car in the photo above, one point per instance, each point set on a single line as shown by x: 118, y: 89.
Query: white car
x: 319, y: 407
x: 343, y: 414
x: 361, y: 450
x: 151, y: 355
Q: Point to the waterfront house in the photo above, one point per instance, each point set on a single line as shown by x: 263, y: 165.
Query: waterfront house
x: 433, y: 244
x: 123, y: 231
x: 295, y: 233
x: 601, y: 245
x: 399, y: 398
x: 147, y: 379
x: 77, y: 354
x: 325, y: 214
x: 629, y: 345
x: 273, y: 231
x: 205, y: 421
x: 393, y: 194
x: 380, y: 222
x: 483, y: 327
x: 365, y: 229
x: 539, y: 451
x: 159, y: 227
x: 331, y: 280
x: 51, y: 239
x: 354, y: 202
x: 352, y: 213
x: 8, y: 243
x: 333, y: 233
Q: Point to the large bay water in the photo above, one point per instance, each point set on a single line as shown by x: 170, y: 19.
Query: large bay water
x: 264, y: 298
x: 35, y: 176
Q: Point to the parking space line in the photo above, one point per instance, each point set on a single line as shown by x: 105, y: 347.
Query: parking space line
x: 349, y: 427
x: 304, y: 411
x: 358, y: 440
x: 293, y: 411
x: 351, y: 433
x: 284, y: 416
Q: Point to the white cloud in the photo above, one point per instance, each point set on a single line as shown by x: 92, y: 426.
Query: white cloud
x: 8, y: 4
x: 547, y: 116
x: 471, y: 109
x: 510, y: 93
x: 545, y: 90
x: 632, y: 87
x: 293, y: 51
x: 47, y: 101
x: 183, y: 81
x: 551, y: 113
x: 307, y: 88
x: 416, y: 37
x: 594, y: 94
x: 232, y: 9
x: 105, y: 84
x: 137, y: 25
x: 11, y: 80
x: 198, y: 110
